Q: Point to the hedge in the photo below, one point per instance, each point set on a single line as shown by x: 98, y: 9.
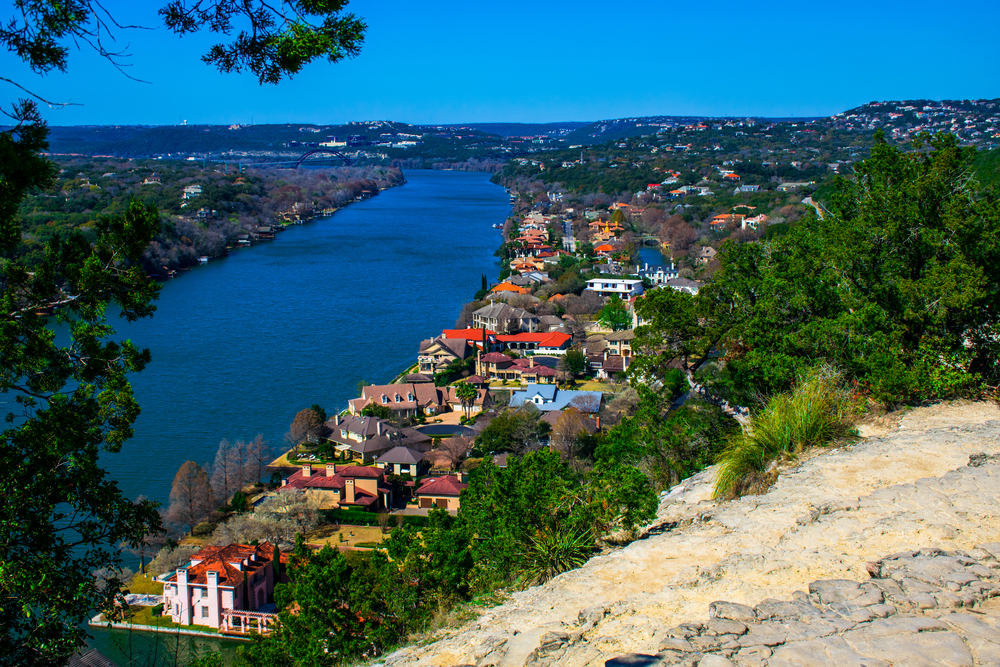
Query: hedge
x: 361, y: 518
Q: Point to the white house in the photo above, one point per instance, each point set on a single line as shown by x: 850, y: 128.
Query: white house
x: 190, y: 192
x: 607, y: 286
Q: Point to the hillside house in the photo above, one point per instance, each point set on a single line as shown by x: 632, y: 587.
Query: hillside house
x: 497, y: 366
x: 548, y: 398
x: 360, y: 487
x: 440, y: 492
x: 626, y: 288
x: 211, y: 586
x: 504, y: 319
x: 369, y: 437
x: 436, y: 354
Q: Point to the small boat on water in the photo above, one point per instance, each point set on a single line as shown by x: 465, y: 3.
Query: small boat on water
x: 203, y: 259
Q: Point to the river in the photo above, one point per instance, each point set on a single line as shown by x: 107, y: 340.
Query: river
x: 243, y: 343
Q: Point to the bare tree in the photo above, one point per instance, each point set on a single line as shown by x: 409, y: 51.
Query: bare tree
x: 190, y: 496
x: 240, y: 455
x: 225, y: 480
x: 568, y: 432
x: 259, y: 453
x: 452, y: 451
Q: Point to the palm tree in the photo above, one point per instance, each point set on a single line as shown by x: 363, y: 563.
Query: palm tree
x: 466, y: 393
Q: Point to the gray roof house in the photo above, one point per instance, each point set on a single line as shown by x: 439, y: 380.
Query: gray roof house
x: 548, y: 397
x: 504, y: 319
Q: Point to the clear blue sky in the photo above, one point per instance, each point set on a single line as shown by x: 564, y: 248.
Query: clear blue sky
x: 450, y: 62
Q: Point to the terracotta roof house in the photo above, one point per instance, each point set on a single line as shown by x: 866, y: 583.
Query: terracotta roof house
x: 370, y: 437
x: 403, y: 461
x: 352, y: 486
x: 211, y: 587
x: 507, y: 287
x: 473, y: 336
x: 440, y: 492
x: 496, y: 366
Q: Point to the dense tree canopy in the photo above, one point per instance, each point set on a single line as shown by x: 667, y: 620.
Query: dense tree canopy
x: 897, y: 285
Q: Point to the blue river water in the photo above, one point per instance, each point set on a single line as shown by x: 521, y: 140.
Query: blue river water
x: 241, y: 344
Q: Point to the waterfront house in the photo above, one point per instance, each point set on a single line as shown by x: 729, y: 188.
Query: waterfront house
x: 504, y: 319
x: 361, y: 487
x: 440, y: 492
x: 684, y: 285
x: 605, y: 366
x: 369, y: 437
x: 436, y: 354
x: 221, y: 582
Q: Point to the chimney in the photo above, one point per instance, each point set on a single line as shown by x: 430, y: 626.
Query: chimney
x: 598, y: 422
x: 306, y: 470
x: 378, y: 427
x: 336, y: 420
x: 531, y: 362
x: 331, y: 469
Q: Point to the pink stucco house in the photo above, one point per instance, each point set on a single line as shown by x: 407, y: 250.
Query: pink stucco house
x: 223, y: 587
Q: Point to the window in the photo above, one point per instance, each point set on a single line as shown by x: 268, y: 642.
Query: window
x: 397, y: 398
x: 410, y: 398
x: 204, y: 612
x: 385, y: 399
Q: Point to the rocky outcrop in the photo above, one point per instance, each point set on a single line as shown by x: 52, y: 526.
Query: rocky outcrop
x: 805, y: 545
x: 928, y: 607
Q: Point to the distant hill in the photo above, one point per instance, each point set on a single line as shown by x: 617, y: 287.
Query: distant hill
x: 525, y: 129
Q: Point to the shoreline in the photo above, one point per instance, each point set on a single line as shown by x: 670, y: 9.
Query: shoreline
x: 95, y: 623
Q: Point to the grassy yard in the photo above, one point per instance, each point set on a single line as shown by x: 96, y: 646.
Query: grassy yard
x: 146, y: 585
x: 144, y: 616
x: 352, y: 535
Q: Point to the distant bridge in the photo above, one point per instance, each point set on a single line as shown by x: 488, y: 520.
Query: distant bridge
x: 322, y: 151
x: 647, y: 239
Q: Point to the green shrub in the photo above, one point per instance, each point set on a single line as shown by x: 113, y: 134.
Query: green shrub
x: 816, y: 412
x: 157, y: 610
x: 203, y: 528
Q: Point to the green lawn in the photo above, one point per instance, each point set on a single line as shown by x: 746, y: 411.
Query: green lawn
x: 146, y: 585
x: 144, y: 616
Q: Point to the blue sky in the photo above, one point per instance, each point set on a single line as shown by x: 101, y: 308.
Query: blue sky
x: 451, y: 62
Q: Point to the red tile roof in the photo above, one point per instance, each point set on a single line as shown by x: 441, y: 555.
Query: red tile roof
x: 228, y: 562
x: 449, y: 485
x: 474, y: 335
x: 548, y: 339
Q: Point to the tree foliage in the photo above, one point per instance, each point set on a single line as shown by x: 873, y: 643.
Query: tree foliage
x: 71, y: 404
x: 273, y: 41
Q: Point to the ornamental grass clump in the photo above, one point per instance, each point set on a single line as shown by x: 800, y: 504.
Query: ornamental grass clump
x: 554, y: 551
x: 817, y: 411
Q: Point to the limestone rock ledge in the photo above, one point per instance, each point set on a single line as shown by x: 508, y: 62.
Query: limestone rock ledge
x: 929, y: 485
